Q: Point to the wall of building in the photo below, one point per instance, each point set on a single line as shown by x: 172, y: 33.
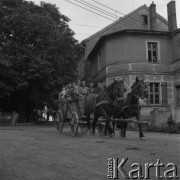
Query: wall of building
x: 176, y: 76
x: 81, y: 68
x: 94, y: 59
x: 132, y: 48
x: 130, y: 62
x: 100, y: 77
x: 176, y: 47
x: 176, y: 83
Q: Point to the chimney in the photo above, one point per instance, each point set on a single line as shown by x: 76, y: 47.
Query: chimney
x: 172, y: 23
x: 152, y: 14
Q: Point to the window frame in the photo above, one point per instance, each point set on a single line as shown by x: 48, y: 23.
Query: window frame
x: 155, y: 93
x: 158, y: 51
x: 143, y: 16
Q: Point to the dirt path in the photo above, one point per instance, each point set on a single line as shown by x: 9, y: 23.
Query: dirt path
x: 40, y: 153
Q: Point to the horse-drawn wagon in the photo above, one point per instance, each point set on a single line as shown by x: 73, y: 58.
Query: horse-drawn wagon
x: 106, y: 107
x: 71, y: 110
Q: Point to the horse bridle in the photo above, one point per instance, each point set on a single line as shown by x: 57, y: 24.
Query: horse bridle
x: 136, y: 94
x: 119, y: 98
x: 115, y: 99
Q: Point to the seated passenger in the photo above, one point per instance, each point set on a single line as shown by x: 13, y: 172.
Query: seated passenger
x: 99, y: 88
x: 103, y: 86
x: 62, y: 94
x: 84, y: 89
x: 77, y: 87
x: 69, y: 91
x: 91, y: 88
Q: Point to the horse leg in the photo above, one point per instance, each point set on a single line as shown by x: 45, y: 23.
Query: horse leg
x: 105, y: 129
x: 107, y: 123
x: 141, y: 134
x: 88, y: 121
x: 96, y: 116
x: 119, y: 125
x: 121, y: 129
x: 113, y: 124
x: 124, y: 129
x: 108, y: 127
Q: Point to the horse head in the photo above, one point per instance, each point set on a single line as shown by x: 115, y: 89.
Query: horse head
x: 116, y: 89
x: 140, y: 89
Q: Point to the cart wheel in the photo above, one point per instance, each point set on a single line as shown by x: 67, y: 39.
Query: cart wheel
x: 101, y: 129
x: 59, y: 122
x: 74, y: 124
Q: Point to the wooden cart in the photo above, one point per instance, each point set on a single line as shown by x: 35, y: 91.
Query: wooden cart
x: 71, y: 111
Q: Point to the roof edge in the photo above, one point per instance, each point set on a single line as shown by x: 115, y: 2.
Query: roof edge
x: 114, y: 23
x: 131, y: 31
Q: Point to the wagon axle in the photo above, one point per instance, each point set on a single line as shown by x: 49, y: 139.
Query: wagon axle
x: 127, y: 120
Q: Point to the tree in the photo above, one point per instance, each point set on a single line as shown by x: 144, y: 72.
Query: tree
x: 38, y: 54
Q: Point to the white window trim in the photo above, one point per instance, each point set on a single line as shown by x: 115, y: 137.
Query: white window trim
x: 142, y: 20
x: 158, y: 44
x: 160, y: 92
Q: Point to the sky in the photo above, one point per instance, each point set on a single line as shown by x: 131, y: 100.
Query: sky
x: 85, y: 23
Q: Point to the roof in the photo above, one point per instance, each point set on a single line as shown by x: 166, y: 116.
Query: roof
x: 120, y: 20
x: 129, y: 21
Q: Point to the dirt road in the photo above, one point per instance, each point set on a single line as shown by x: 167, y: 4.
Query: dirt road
x: 40, y: 153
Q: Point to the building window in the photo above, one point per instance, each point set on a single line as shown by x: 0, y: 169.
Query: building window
x: 99, y: 62
x: 144, y: 19
x: 154, y: 93
x: 152, y: 48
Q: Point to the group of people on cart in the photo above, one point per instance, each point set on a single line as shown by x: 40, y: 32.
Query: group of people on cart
x: 77, y: 93
x: 81, y: 89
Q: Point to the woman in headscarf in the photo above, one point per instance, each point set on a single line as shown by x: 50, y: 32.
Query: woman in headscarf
x: 91, y: 88
x: 84, y: 89
x: 77, y: 87
x: 99, y: 88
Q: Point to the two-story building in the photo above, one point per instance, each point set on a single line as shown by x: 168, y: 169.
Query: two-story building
x: 142, y: 43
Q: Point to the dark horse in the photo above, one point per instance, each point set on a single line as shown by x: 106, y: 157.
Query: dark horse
x: 102, y: 104
x: 129, y: 107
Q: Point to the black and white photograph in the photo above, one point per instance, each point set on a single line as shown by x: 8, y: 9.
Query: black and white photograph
x: 89, y: 89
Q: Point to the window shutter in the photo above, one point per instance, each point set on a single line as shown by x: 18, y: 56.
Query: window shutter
x: 164, y: 92
x: 148, y: 89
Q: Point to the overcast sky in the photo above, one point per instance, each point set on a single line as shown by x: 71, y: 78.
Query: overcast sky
x: 85, y: 23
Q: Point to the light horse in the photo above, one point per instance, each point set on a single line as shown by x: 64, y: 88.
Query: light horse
x: 129, y: 107
x: 102, y: 104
